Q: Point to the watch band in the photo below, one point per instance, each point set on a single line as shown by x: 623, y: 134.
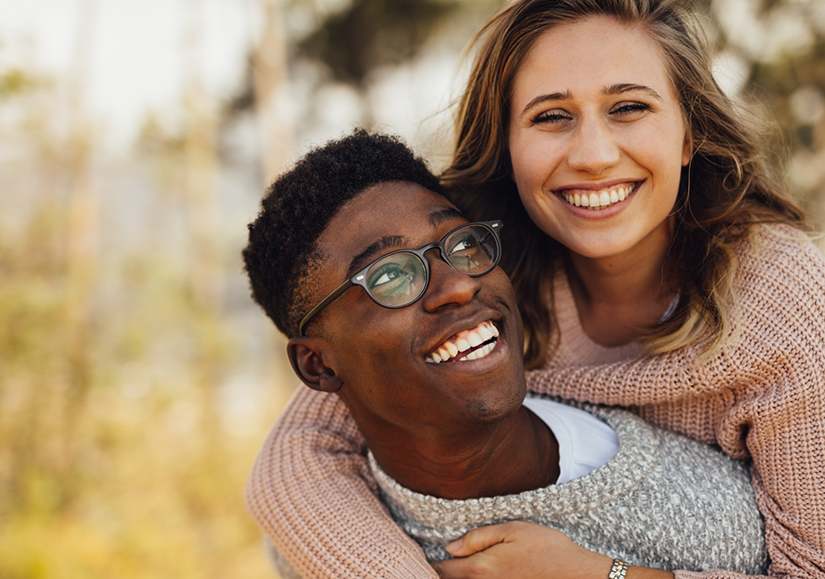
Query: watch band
x: 618, y: 570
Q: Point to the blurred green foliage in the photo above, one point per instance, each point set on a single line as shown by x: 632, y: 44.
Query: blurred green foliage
x: 125, y: 440
x: 370, y: 34
x: 116, y: 456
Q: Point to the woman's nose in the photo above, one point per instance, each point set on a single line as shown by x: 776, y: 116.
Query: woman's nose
x: 448, y: 286
x: 594, y: 148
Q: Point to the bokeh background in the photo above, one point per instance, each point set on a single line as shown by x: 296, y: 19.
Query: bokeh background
x: 137, y: 378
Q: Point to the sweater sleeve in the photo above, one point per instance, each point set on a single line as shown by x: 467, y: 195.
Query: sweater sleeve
x: 312, y: 493
x: 762, y: 398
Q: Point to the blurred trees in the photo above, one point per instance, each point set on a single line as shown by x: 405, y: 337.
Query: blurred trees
x: 137, y: 379
x: 777, y: 48
x: 369, y: 34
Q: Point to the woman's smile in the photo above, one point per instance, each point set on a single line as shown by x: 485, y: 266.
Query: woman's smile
x: 599, y: 199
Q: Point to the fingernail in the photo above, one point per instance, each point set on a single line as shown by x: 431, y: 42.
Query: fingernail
x: 455, y: 545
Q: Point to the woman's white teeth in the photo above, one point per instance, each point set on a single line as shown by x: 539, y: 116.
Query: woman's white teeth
x: 465, y: 340
x: 601, y: 199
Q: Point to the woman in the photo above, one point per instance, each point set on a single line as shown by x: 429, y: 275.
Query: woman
x: 658, y: 267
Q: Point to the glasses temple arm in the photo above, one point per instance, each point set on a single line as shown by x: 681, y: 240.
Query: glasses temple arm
x: 328, y: 300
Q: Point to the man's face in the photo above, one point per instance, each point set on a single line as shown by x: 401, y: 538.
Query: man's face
x: 385, y: 357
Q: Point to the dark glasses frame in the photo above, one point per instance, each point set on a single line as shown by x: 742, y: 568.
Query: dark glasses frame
x: 360, y: 277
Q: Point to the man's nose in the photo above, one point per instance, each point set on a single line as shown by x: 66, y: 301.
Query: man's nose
x: 448, y: 286
x: 594, y: 147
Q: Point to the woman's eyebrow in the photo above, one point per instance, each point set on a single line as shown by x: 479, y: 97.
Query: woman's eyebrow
x: 621, y: 88
x: 613, y: 89
x: 555, y: 96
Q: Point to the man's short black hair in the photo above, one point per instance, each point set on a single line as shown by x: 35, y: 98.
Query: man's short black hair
x: 299, y: 205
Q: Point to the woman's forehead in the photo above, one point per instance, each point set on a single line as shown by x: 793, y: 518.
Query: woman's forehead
x: 594, y: 50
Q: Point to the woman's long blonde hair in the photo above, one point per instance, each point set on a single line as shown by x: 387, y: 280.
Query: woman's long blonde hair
x: 725, y: 190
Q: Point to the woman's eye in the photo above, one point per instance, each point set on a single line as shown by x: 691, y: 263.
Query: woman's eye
x: 629, y: 109
x: 551, y: 117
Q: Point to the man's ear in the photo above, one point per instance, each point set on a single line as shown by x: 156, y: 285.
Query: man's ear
x: 305, y: 355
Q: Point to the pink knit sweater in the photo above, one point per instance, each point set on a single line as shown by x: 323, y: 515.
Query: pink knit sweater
x: 762, y: 397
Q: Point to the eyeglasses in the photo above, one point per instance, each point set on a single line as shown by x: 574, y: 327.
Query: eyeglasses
x: 400, y: 278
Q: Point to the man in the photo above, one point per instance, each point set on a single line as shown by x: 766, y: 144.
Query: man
x: 426, y: 355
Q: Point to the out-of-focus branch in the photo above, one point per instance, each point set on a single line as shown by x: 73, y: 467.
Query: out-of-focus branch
x: 271, y: 82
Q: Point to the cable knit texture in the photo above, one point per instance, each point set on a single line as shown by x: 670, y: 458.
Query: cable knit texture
x: 762, y: 397
x: 662, y: 501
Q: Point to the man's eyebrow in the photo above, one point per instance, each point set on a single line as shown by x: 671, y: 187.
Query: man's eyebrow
x: 621, y: 88
x: 444, y: 215
x: 360, y: 261
x: 391, y: 242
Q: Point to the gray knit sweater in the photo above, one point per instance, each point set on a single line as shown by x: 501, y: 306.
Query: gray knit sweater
x: 662, y: 501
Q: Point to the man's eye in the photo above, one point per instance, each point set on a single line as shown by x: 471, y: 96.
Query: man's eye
x: 386, y: 277
x: 465, y: 245
x: 392, y: 281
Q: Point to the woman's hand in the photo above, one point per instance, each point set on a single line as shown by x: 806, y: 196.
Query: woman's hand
x: 528, y: 551
x: 524, y: 550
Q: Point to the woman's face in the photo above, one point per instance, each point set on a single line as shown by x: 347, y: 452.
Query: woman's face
x: 597, y: 138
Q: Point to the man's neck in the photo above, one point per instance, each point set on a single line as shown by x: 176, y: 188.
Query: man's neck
x: 516, y: 454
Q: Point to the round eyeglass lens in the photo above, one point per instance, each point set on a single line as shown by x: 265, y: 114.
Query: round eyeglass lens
x: 472, y: 250
x: 397, y: 279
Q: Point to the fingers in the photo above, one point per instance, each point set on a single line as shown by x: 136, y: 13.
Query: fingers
x: 481, y: 538
x: 472, y: 568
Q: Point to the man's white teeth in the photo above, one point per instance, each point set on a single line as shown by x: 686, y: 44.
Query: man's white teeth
x: 481, y: 352
x: 486, y: 333
x: 465, y: 340
x: 601, y: 199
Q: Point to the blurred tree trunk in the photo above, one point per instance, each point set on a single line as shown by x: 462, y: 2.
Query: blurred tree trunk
x: 271, y: 82
x: 82, y: 232
x: 201, y: 170
x: 200, y: 166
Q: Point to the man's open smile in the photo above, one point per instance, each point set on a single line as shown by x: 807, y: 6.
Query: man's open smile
x: 471, y: 344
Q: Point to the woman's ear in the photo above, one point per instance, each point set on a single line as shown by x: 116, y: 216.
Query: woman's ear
x: 687, y: 149
x: 305, y: 355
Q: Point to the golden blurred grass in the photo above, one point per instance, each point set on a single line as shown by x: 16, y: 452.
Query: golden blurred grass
x: 136, y: 473
x: 144, y: 477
